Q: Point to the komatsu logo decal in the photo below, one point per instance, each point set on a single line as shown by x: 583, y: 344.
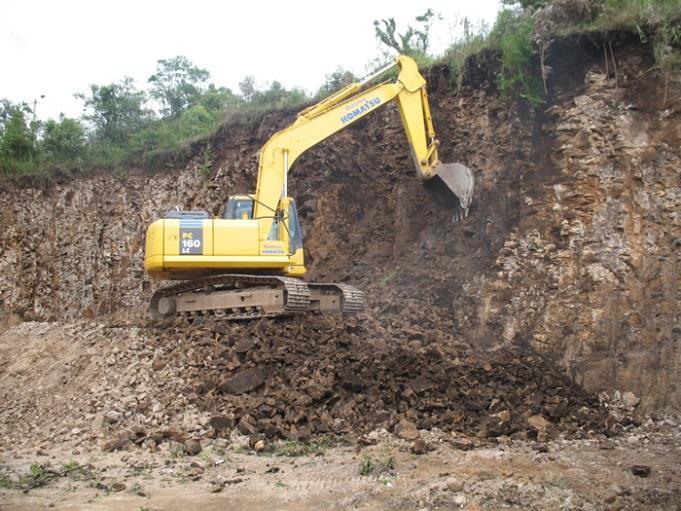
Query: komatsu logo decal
x: 361, y: 109
x: 272, y: 249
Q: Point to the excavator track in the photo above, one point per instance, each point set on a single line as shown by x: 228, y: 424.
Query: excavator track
x: 235, y: 297
x: 352, y: 299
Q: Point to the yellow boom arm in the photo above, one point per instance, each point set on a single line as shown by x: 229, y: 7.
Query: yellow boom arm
x: 338, y: 111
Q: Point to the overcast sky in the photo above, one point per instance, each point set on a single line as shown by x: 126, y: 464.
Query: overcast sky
x: 58, y: 48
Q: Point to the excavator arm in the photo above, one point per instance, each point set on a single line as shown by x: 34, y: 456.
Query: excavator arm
x: 342, y: 109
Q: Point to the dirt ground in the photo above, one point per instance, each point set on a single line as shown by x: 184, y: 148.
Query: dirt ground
x: 106, y: 416
x: 577, y: 474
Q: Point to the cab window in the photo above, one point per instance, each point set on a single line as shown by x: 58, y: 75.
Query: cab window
x: 274, y: 231
x: 295, y: 240
x: 239, y: 209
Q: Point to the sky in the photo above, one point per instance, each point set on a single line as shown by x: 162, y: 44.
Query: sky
x: 58, y: 48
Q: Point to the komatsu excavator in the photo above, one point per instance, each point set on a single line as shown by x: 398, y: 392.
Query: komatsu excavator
x: 248, y: 263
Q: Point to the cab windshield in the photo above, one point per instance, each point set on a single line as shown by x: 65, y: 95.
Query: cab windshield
x: 239, y: 209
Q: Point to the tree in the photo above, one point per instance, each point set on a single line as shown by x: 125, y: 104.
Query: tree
x: 17, y: 140
x: 279, y: 97
x: 5, y: 112
x: 176, y: 83
x: 414, y: 41
x: 195, y: 121
x: 525, y: 4
x: 275, y: 97
x: 63, y: 140
x: 335, y: 81
x: 116, y: 110
x: 247, y: 88
x: 217, y: 99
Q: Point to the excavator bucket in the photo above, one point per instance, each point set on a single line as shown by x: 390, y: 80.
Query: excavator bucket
x: 456, y: 179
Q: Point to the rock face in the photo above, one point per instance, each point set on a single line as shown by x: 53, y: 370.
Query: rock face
x: 572, y: 246
x: 592, y: 271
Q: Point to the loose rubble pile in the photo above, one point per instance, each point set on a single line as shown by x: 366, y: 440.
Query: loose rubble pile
x: 313, y: 376
x: 287, y: 378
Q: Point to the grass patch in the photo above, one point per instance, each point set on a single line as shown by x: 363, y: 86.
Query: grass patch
x: 316, y: 447
x: 633, y: 15
x: 518, y: 36
x: 37, y: 476
x: 71, y: 466
x: 388, y: 278
x: 177, y: 450
x: 655, y: 21
x: 38, y: 472
x: 473, y: 40
x: 294, y: 448
x: 379, y: 465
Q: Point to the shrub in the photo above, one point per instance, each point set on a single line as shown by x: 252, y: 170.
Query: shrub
x: 513, y: 32
x: 62, y: 141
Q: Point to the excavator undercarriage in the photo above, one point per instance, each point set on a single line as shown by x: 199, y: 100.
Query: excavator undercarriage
x: 238, y: 296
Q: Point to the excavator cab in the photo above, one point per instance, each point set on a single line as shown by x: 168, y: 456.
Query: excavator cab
x: 240, y: 207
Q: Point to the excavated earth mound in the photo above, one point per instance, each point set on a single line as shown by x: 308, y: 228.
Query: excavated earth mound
x: 314, y: 375
x: 119, y: 385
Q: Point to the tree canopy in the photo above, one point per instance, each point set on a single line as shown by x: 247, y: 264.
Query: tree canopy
x: 176, y: 83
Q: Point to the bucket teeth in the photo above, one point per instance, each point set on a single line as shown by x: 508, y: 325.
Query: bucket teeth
x: 459, y: 180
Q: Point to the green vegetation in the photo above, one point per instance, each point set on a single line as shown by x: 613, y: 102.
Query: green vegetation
x: 366, y: 465
x: 37, y: 471
x: 125, y: 126
x: 6, y: 483
x: 472, y: 41
x: 514, y: 34
x: 388, y: 278
x: 413, y: 41
x: 177, y: 450
x: 121, y: 127
x: 38, y: 475
x: 655, y: 21
x: 71, y: 466
x: 640, y: 16
x: 294, y: 448
x: 380, y: 465
x: 523, y: 31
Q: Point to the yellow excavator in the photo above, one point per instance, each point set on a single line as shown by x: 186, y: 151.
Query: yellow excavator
x: 248, y: 263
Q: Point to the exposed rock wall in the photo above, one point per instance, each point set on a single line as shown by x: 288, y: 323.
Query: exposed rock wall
x: 572, y: 246
x: 592, y: 272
